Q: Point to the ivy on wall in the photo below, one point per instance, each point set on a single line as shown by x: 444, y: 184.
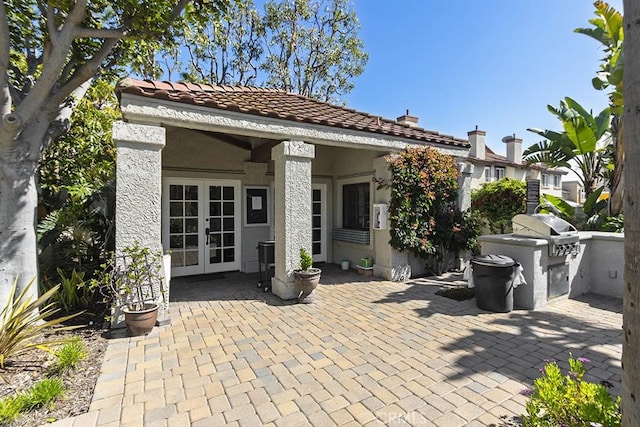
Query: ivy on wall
x: 498, y: 202
x: 423, y: 215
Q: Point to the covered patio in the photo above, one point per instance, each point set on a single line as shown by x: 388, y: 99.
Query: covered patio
x: 207, y: 172
x: 369, y: 352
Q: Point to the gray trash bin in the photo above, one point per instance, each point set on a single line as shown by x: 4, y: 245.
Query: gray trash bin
x: 493, y: 277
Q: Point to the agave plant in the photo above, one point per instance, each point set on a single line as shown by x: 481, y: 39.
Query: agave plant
x: 24, y: 320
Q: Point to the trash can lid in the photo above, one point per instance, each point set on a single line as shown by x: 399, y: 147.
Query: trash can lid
x: 493, y: 260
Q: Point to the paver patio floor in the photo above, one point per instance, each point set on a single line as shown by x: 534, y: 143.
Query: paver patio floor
x: 368, y: 352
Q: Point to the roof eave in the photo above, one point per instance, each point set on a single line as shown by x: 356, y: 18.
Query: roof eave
x: 169, y: 113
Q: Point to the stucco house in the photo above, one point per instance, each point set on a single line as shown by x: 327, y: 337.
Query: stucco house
x: 207, y: 172
x: 489, y: 166
x: 573, y: 191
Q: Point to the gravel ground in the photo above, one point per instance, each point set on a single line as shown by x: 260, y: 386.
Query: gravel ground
x: 21, y: 372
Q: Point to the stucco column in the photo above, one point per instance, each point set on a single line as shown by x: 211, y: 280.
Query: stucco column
x: 293, y: 211
x: 389, y: 263
x: 139, y: 189
x: 464, y: 185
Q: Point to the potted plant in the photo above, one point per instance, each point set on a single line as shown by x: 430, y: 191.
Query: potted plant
x: 306, y: 278
x: 132, y: 284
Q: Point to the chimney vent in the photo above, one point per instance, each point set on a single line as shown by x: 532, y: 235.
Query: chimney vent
x: 514, y: 148
x: 477, y: 141
x: 407, y: 120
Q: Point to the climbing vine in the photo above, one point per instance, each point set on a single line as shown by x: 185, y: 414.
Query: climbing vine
x: 498, y: 202
x: 423, y: 215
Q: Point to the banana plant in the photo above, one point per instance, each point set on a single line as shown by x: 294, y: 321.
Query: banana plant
x: 579, y: 146
x: 608, y: 29
x: 592, y: 217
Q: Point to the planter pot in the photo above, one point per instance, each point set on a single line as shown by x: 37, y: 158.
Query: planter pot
x: 365, y: 271
x: 141, y: 322
x: 306, y: 282
x: 345, y: 265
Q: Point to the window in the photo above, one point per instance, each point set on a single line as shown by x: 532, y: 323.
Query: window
x: 556, y: 181
x: 487, y: 174
x: 355, y: 206
x: 545, y: 180
x: 499, y: 173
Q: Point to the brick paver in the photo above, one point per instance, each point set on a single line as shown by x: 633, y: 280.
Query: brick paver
x: 368, y: 352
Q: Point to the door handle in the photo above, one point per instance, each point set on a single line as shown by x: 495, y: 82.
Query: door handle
x: 206, y: 233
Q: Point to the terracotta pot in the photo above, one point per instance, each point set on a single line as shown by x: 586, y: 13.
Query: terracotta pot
x: 141, y: 322
x: 306, y: 282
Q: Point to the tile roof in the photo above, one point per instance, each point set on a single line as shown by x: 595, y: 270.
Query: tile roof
x: 280, y: 105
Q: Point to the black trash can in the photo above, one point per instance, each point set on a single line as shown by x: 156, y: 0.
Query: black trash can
x: 493, y: 277
x: 266, y: 263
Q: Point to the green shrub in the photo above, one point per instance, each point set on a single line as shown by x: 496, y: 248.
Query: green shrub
x: 70, y: 355
x: 306, y: 260
x: 558, y: 400
x: 423, y: 216
x: 498, y: 202
x: 74, y: 292
x: 24, y: 320
x: 9, y: 410
x: 40, y: 394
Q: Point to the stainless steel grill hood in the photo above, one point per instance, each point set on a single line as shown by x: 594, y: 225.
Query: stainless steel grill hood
x: 562, y: 236
x: 541, y: 226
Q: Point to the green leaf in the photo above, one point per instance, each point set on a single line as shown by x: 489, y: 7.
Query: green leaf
x: 591, y: 200
x: 560, y: 206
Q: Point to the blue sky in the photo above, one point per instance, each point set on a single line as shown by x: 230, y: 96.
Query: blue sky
x: 493, y: 63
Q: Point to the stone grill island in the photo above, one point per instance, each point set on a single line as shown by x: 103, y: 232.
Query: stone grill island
x: 559, y: 261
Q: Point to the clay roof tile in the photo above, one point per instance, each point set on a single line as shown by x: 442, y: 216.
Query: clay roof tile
x: 278, y: 104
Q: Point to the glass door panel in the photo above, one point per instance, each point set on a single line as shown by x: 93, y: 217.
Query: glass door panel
x: 318, y: 223
x: 223, y: 223
x: 181, y: 225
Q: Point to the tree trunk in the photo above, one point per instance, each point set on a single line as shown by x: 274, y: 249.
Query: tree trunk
x: 18, y: 246
x: 631, y: 314
x: 18, y: 206
x: 616, y: 198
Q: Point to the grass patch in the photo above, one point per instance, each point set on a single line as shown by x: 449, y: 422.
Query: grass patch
x: 40, y: 394
x: 69, y: 355
x: 458, y: 294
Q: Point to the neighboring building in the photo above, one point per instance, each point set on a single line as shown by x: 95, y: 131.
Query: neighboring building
x: 489, y: 166
x: 573, y: 191
x: 207, y: 172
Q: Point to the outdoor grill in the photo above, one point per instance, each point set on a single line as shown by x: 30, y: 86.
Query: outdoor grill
x: 562, y: 236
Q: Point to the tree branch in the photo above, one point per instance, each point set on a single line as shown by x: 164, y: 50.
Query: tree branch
x: 66, y: 71
x: 86, y: 72
x: 100, y: 33
x: 177, y: 10
x: 5, y: 95
x: 77, y: 14
x: 48, y: 11
x: 62, y: 122
x: 53, y: 64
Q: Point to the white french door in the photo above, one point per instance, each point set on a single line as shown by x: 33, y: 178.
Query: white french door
x: 201, y: 225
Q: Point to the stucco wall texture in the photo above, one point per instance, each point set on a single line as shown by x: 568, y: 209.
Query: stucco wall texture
x: 293, y: 213
x: 139, y: 190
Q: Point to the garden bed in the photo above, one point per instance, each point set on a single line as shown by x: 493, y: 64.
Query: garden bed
x: 23, y: 371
